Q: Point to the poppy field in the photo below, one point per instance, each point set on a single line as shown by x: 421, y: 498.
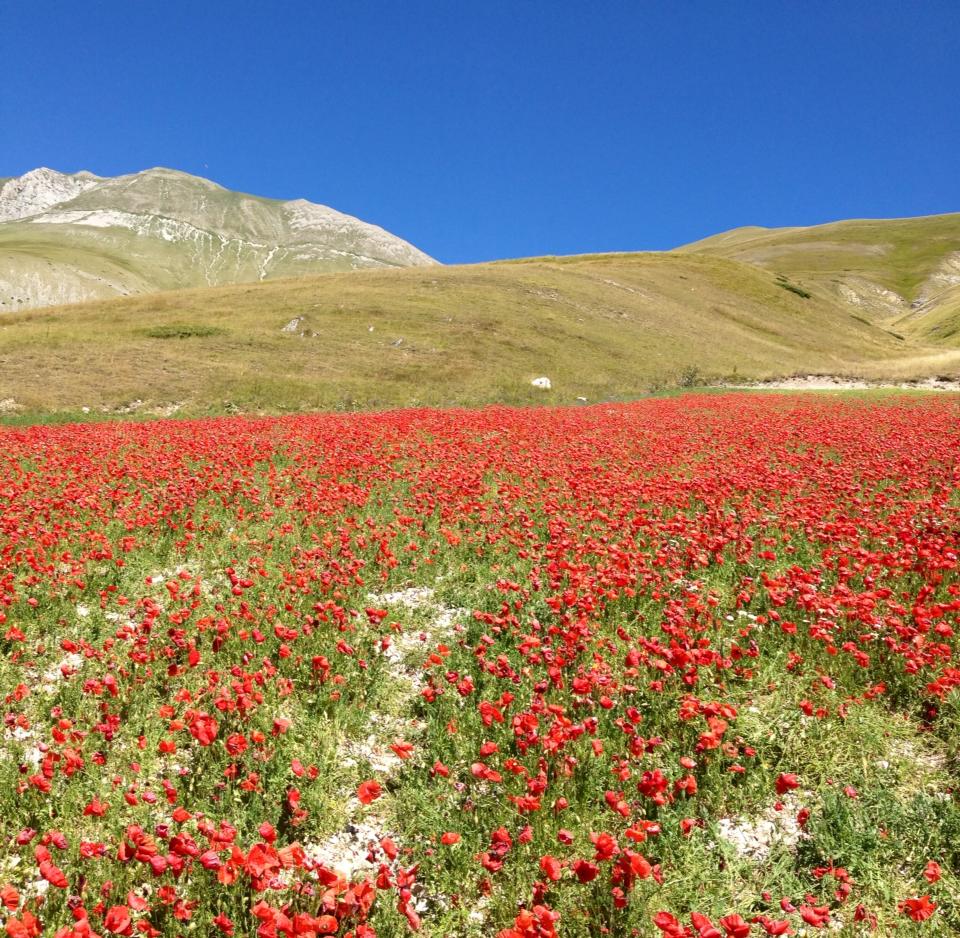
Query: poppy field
x: 685, y: 667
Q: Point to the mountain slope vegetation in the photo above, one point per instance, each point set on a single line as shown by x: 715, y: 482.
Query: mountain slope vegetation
x: 871, y: 299
x: 68, y: 238
x: 598, y: 326
x: 902, y: 272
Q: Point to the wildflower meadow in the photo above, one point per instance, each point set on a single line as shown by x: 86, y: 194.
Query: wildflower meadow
x: 682, y: 667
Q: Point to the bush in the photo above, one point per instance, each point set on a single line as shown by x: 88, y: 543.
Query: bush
x: 182, y: 331
x: 793, y: 288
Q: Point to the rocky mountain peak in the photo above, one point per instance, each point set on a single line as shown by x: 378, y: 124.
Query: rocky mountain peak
x: 40, y: 189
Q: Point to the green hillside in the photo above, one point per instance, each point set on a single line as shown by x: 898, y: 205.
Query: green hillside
x: 937, y: 322
x: 599, y: 327
x: 886, y: 268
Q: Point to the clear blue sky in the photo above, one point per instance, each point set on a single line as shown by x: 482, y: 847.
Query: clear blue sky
x: 505, y: 129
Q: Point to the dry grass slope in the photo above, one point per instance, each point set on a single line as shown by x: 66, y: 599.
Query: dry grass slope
x: 899, y: 272
x: 599, y: 326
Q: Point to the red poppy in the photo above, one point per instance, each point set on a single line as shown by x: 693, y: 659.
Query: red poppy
x: 117, y: 921
x: 369, y: 791
x: 785, y: 782
x: 734, y: 926
x: 551, y: 867
x: 919, y: 908
x: 585, y: 871
x: 704, y: 927
x: 203, y: 728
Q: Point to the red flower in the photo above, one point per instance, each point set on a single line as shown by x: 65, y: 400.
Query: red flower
x: 605, y: 845
x: 669, y: 925
x: 9, y: 898
x: 774, y: 926
x: 585, y: 871
x: 204, y: 728
x: 735, y: 926
x: 704, y: 927
x: 817, y: 916
x: 53, y: 874
x: 27, y: 926
x: 919, y: 908
x: 786, y: 781
x: 117, y: 921
x: 403, y: 750
x: 551, y: 867
x: 369, y: 791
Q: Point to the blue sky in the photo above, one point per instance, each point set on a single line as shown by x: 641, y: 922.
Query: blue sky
x: 505, y: 129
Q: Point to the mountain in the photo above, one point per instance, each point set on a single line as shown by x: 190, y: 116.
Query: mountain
x: 598, y: 327
x: 901, y: 273
x: 71, y: 237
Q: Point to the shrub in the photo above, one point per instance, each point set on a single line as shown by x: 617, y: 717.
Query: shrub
x: 793, y: 288
x: 182, y: 331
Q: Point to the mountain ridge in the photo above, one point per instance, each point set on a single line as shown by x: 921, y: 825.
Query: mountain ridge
x: 74, y: 237
x: 867, y: 299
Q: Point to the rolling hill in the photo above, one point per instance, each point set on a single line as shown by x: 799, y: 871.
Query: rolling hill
x: 878, y: 300
x: 598, y: 326
x: 902, y: 273
x: 71, y: 237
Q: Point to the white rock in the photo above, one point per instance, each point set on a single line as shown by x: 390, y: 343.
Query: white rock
x: 543, y: 383
x: 40, y: 189
x: 754, y: 838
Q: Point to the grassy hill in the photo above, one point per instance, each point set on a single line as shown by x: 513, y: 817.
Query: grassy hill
x: 894, y: 270
x: 599, y: 326
x: 936, y: 322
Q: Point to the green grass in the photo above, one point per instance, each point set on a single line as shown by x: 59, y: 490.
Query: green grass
x: 899, y: 253
x: 940, y: 324
x: 182, y: 331
x: 604, y: 327
x: 744, y: 305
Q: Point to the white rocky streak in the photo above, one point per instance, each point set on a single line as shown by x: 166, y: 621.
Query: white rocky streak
x: 308, y: 216
x: 945, y: 276
x: 265, y: 263
x: 815, y: 382
x: 347, y: 852
x: 871, y: 297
